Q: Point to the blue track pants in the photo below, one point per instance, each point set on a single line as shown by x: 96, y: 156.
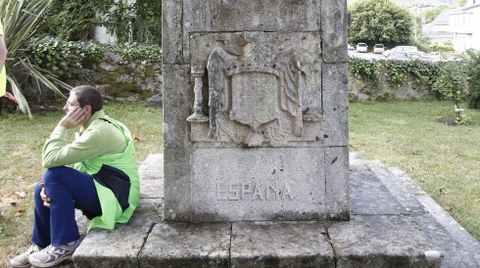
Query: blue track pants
x: 68, y: 189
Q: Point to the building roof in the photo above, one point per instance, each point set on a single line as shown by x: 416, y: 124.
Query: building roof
x: 471, y: 7
x: 442, y: 18
x: 465, y: 9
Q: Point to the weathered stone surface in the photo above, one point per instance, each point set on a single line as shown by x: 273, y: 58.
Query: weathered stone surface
x: 286, y: 245
x: 258, y: 184
x: 456, y: 254
x: 335, y: 104
x: 177, y: 185
x: 381, y: 241
x: 264, y: 89
x: 254, y: 77
x: 334, y: 23
x: 152, y: 167
x: 187, y: 245
x: 371, y: 197
x: 178, y: 99
x: 119, y: 247
x: 440, y: 229
x: 247, y: 15
x: 172, y: 35
x: 337, y: 183
x: 151, y: 177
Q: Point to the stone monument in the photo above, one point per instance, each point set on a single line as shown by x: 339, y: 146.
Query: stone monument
x: 255, y: 110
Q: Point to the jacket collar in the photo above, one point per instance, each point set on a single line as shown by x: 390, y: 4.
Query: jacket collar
x: 95, y: 116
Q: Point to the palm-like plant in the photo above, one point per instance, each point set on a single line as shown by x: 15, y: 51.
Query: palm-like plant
x: 22, y: 21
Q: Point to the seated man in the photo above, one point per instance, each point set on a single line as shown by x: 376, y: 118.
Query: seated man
x: 96, y: 173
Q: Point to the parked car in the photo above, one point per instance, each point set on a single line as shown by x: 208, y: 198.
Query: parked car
x: 378, y: 49
x: 361, y: 48
x: 399, y: 49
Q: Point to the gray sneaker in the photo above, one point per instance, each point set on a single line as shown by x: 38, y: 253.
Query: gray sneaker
x: 51, y: 256
x: 21, y: 261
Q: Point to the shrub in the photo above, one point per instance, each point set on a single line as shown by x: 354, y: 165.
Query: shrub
x: 58, y: 56
x: 473, y: 72
x: 452, y: 84
x: 365, y: 70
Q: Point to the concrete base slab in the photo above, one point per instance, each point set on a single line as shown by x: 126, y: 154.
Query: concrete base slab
x: 394, y: 224
x: 187, y: 245
x: 280, y: 244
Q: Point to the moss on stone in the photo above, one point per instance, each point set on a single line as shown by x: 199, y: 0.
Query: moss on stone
x: 122, y: 89
x: 148, y: 71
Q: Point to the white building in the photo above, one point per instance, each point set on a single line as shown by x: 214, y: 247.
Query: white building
x: 465, y: 26
x: 439, y: 30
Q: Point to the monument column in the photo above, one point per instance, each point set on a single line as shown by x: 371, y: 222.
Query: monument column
x: 256, y: 103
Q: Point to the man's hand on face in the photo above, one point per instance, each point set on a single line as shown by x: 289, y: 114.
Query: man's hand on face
x: 74, y: 118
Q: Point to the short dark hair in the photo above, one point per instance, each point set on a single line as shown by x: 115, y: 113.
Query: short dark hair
x: 88, y: 95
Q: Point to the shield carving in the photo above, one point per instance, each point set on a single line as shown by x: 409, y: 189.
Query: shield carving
x: 254, y: 98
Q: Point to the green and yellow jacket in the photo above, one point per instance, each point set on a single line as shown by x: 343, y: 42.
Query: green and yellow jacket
x: 104, y: 149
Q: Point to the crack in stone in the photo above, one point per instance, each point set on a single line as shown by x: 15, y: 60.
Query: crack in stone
x: 230, y: 247
x: 144, y: 241
x: 329, y: 240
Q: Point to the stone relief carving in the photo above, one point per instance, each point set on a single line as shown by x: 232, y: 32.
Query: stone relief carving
x: 260, y: 88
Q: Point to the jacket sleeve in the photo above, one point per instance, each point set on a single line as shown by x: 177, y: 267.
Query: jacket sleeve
x: 56, y: 152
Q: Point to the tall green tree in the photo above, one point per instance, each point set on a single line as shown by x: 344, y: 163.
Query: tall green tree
x: 380, y: 21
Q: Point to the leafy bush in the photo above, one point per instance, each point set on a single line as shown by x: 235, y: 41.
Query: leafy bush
x: 396, y: 71
x: 135, y: 52
x: 452, y: 84
x: 473, y: 72
x: 363, y: 69
x: 58, y: 56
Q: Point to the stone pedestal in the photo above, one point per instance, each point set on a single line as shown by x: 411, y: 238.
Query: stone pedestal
x: 255, y: 110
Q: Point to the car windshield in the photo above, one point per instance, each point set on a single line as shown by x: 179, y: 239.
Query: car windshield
x: 378, y: 46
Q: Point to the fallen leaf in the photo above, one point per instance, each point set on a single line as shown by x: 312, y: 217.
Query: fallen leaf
x: 447, y: 209
x: 20, y: 212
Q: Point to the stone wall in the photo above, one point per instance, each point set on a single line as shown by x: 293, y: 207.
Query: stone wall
x: 384, y: 91
x: 121, y: 80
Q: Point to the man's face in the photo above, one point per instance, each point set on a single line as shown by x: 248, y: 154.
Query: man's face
x: 72, y: 104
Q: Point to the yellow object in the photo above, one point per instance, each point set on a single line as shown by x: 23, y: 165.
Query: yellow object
x: 3, y: 74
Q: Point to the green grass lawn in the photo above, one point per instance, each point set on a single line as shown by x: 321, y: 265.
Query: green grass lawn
x: 444, y: 160
x: 21, y: 142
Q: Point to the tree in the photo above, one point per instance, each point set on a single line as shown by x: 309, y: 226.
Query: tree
x: 380, y: 21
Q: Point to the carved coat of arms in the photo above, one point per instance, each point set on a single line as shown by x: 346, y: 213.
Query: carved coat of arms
x: 253, y: 88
